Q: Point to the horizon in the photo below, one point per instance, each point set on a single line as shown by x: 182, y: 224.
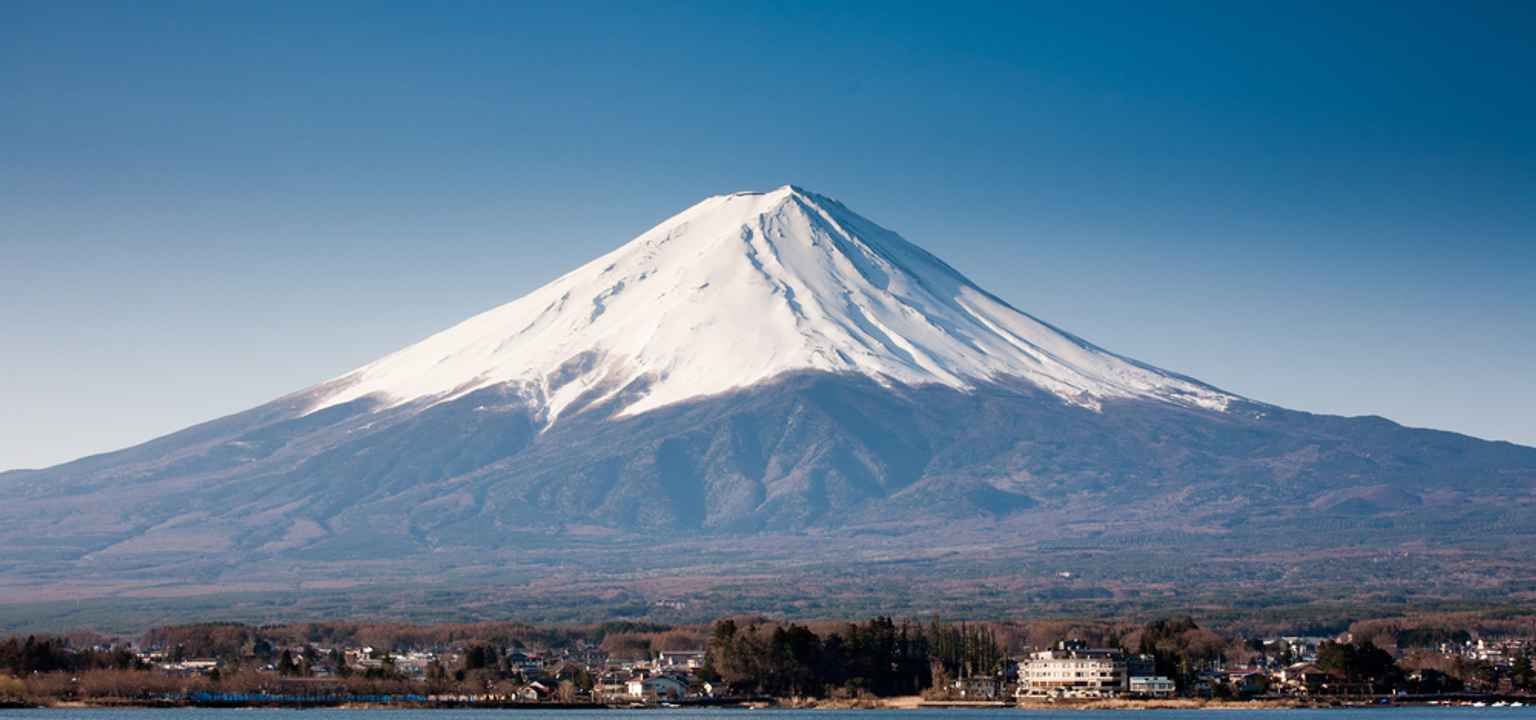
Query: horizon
x: 1330, y: 210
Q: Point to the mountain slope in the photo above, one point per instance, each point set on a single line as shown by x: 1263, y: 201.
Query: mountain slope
x: 760, y: 374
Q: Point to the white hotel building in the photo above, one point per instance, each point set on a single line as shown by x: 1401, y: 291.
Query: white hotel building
x: 1072, y: 670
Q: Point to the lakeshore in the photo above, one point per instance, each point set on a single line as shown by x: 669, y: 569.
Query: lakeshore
x: 878, y: 664
x: 902, y: 703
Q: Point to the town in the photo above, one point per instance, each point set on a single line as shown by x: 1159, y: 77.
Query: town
x: 757, y: 661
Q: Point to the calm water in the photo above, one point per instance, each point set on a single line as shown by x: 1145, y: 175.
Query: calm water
x: 1402, y: 713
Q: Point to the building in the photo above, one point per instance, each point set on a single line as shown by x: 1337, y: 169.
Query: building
x: 521, y: 662
x: 610, y: 691
x: 1303, y: 678
x: 1298, y: 648
x: 679, y: 660
x: 656, y: 689
x: 1073, y: 670
x: 1247, y: 681
x: 1151, y: 686
x: 189, y: 667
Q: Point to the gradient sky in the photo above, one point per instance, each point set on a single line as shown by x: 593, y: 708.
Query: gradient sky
x: 205, y: 205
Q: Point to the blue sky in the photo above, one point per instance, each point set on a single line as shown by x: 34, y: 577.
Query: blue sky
x: 205, y: 205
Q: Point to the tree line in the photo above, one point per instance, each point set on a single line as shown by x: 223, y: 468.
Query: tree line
x: 878, y: 657
x: 48, y: 654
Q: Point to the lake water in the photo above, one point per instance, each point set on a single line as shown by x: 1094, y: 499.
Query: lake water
x: 1395, y: 713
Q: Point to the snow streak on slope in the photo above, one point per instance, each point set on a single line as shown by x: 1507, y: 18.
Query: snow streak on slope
x: 738, y: 289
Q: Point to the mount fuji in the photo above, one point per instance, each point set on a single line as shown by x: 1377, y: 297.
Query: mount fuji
x: 716, y: 403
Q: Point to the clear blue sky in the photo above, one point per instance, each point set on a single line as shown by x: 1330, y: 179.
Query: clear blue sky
x: 205, y: 205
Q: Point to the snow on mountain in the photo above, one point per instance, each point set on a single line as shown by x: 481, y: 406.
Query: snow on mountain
x: 739, y: 289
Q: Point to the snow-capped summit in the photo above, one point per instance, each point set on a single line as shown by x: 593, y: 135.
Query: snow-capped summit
x: 744, y: 287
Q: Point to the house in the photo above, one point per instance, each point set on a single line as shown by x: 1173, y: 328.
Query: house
x: 1073, y: 670
x: 524, y: 663
x: 668, y: 660
x: 656, y: 689
x: 1247, y: 681
x: 1303, y: 678
x: 610, y: 691
x: 1298, y: 647
x: 1151, y: 686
